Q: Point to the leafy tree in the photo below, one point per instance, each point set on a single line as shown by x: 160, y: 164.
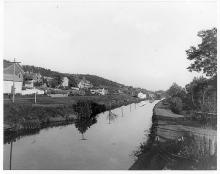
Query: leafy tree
x: 59, y: 79
x: 72, y: 81
x: 176, y: 104
x: 204, y: 56
x: 175, y: 91
x: 197, y: 90
x: 203, y: 93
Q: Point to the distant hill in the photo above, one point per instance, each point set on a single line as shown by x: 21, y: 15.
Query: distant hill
x: 98, y: 81
x: 42, y: 71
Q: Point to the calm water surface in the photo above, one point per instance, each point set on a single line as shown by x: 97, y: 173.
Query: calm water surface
x: 105, y: 142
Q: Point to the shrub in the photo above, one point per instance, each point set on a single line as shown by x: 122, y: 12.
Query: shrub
x: 176, y: 104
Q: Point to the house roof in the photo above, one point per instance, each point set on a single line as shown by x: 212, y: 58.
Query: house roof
x: 9, y: 72
x: 9, y: 68
x: 7, y: 64
x: 9, y: 77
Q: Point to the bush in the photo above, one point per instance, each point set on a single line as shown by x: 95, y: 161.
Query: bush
x: 176, y: 105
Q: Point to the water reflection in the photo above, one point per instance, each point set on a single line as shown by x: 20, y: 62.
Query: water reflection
x: 14, y: 136
x: 111, y: 116
x: 53, y: 148
x: 84, y: 123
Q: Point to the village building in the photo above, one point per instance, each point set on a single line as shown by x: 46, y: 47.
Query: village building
x: 37, y: 77
x: 151, y: 95
x: 10, y: 76
x: 29, y: 83
x: 142, y: 95
x: 65, y: 82
x: 48, y: 78
x: 84, y: 84
x: 120, y: 91
x: 102, y: 91
x: 28, y: 80
x: 75, y: 88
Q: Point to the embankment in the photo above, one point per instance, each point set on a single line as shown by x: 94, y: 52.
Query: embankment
x: 176, y: 143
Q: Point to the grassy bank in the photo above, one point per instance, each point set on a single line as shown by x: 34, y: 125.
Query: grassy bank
x: 176, y: 143
x: 25, y: 115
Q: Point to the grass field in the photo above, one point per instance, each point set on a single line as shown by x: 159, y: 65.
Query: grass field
x: 43, y: 99
x: 25, y: 108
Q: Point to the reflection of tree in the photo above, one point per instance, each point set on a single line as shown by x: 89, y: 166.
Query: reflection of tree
x: 111, y: 116
x: 86, y: 112
x: 83, y: 123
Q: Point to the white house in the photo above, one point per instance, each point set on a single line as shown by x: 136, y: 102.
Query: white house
x: 65, y: 82
x: 142, y: 95
x: 9, y: 77
x: 32, y: 91
x: 29, y: 83
x: 84, y: 84
x: 75, y: 88
x: 99, y: 91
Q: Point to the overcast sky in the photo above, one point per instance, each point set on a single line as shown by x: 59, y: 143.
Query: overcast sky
x: 140, y: 44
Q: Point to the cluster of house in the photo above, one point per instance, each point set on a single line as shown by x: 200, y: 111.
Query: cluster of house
x: 24, y: 82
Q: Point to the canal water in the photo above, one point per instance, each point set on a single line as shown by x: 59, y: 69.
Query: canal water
x: 107, y: 142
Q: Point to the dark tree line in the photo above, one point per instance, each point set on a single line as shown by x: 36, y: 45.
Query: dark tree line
x: 201, y: 93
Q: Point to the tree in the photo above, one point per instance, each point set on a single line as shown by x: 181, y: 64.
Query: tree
x: 204, y: 56
x: 175, y: 91
x: 56, y: 81
x: 197, y: 90
x: 72, y: 81
x: 59, y: 79
x: 176, y: 105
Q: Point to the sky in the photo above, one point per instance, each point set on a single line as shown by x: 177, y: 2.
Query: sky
x: 137, y: 43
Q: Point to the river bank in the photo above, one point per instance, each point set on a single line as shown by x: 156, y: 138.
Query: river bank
x: 21, y: 117
x: 176, y: 143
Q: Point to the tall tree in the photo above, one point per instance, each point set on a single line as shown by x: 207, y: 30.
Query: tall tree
x: 204, y: 56
x: 175, y: 91
x: 197, y: 90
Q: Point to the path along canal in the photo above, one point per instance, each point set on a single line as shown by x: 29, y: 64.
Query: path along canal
x: 106, y: 142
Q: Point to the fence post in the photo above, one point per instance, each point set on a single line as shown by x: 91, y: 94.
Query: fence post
x: 35, y: 97
x: 212, y: 146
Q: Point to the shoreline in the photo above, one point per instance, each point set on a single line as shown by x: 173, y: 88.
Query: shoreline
x: 168, y: 135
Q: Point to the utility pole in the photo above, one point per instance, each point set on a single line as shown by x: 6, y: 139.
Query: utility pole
x: 35, y: 97
x: 13, y: 87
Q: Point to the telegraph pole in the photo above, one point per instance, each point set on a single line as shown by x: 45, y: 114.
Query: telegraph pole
x: 13, y: 87
x: 35, y: 97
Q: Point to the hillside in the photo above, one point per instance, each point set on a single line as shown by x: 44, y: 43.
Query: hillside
x: 98, y: 81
